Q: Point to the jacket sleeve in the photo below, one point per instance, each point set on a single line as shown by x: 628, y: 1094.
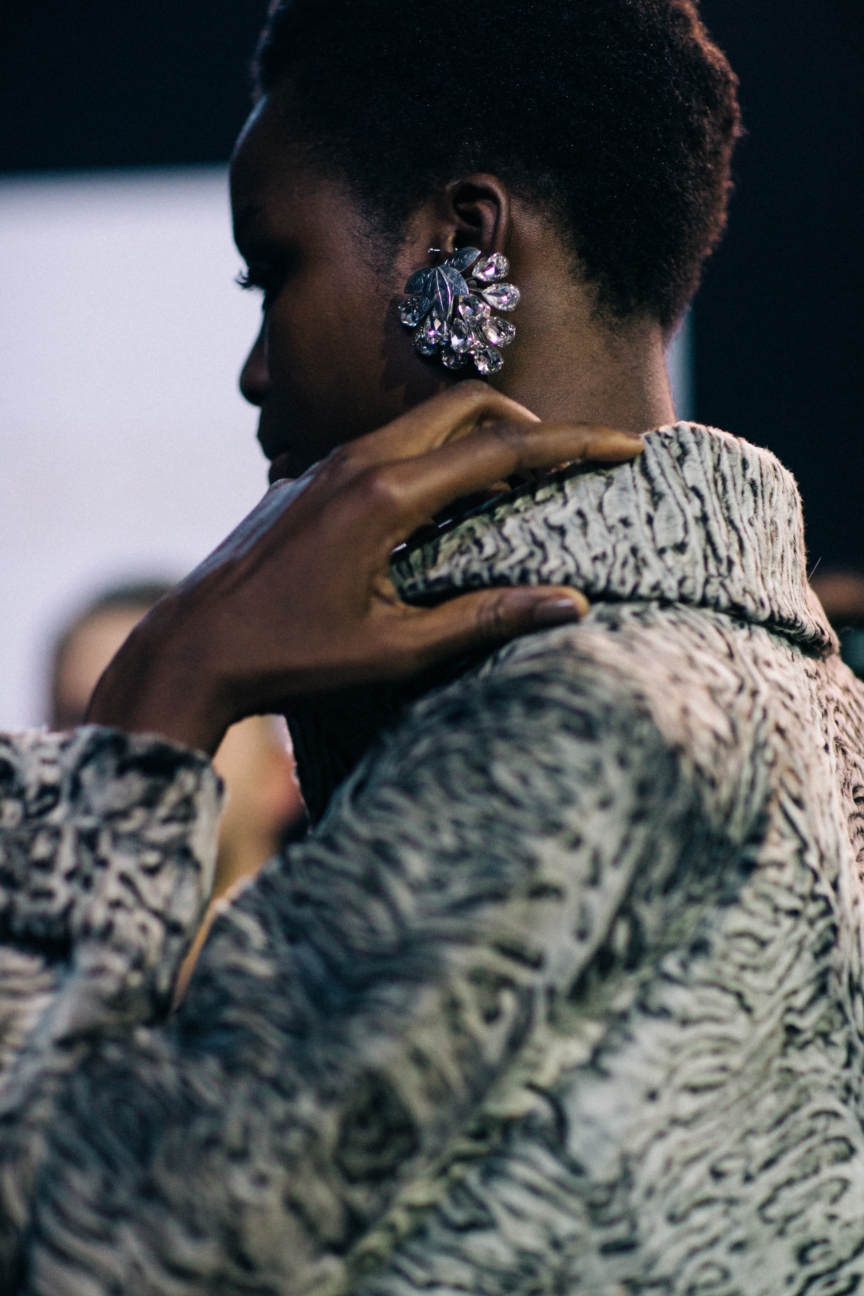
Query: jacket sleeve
x: 356, y: 1010
x: 107, y: 852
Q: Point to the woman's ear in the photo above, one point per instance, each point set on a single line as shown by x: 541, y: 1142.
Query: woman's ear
x: 478, y: 211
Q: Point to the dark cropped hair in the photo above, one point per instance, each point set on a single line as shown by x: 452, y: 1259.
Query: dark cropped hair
x: 618, y: 116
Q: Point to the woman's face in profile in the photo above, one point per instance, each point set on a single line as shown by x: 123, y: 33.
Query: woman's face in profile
x: 332, y: 360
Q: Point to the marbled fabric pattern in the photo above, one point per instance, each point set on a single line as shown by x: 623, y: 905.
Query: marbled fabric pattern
x: 705, y: 520
x: 563, y: 993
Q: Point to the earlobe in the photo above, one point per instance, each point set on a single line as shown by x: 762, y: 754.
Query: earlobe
x: 452, y: 298
x: 451, y: 303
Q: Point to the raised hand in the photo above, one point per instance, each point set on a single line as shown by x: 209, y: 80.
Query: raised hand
x: 299, y: 599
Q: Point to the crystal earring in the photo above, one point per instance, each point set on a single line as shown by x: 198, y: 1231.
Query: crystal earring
x: 451, y: 310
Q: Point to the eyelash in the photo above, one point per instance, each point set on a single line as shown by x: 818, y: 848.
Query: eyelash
x: 260, y: 278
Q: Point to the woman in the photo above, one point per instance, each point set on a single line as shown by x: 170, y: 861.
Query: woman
x: 563, y: 991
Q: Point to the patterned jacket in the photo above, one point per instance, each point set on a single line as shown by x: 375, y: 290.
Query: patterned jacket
x: 563, y: 994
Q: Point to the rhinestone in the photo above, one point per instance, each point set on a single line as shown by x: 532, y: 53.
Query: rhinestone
x: 410, y: 312
x: 472, y: 308
x: 499, y: 332
x: 454, y: 361
x: 430, y: 336
x: 461, y: 335
x: 488, y: 360
x: 503, y: 296
x: 490, y: 268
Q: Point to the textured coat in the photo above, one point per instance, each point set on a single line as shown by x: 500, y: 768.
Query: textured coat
x: 563, y: 993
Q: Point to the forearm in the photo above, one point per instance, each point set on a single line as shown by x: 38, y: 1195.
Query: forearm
x: 160, y: 683
x: 351, y: 1011
x: 107, y: 850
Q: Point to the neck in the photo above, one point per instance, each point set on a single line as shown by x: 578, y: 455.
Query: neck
x: 583, y: 383
x: 242, y: 857
x: 568, y: 363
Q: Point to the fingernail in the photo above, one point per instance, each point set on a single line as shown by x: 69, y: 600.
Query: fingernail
x: 557, y: 611
x: 625, y: 438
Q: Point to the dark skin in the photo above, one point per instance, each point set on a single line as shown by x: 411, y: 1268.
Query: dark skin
x: 302, y: 602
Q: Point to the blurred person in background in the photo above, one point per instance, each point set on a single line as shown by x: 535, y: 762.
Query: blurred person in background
x: 564, y: 989
x: 87, y: 643
x: 262, y: 802
x: 841, y: 593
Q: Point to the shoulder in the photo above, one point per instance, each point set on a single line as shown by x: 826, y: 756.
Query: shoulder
x: 629, y: 716
x: 661, y: 683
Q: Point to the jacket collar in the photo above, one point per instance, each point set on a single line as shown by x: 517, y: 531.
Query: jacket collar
x: 701, y: 518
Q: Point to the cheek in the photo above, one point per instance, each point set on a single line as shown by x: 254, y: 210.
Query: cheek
x: 340, y: 362
x: 326, y: 339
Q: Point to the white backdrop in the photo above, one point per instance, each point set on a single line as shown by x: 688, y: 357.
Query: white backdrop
x: 126, y: 451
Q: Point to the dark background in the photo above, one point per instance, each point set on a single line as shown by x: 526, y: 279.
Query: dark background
x: 778, y: 322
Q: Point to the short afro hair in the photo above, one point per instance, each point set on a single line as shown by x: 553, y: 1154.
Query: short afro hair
x: 618, y: 116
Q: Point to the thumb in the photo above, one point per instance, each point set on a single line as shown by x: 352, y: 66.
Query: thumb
x: 496, y: 614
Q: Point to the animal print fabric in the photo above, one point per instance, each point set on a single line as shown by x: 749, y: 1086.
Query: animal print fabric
x: 563, y: 993
x: 701, y: 518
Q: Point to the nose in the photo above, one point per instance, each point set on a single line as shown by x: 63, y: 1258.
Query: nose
x: 254, y: 376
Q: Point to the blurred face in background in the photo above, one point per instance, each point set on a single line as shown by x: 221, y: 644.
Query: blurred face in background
x: 254, y: 760
x: 841, y: 593
x: 81, y: 657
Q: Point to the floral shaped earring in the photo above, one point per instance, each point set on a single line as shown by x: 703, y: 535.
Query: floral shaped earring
x: 451, y: 311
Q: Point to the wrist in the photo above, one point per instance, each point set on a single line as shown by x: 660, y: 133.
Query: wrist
x: 149, y: 688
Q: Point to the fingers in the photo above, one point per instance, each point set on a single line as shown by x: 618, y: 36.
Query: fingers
x: 489, y: 616
x: 401, y: 495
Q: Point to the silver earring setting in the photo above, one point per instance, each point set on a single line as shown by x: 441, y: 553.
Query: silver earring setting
x: 452, y: 311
